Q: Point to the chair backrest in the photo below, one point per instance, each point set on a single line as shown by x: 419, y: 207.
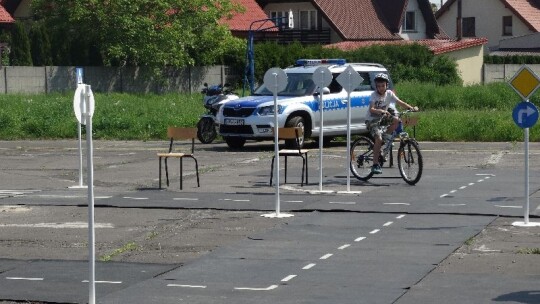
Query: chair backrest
x: 291, y: 133
x: 409, y: 121
x: 178, y: 133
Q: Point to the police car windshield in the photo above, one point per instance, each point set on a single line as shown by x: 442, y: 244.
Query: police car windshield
x: 297, y: 85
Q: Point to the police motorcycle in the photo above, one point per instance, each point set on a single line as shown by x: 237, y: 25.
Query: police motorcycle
x: 214, y: 97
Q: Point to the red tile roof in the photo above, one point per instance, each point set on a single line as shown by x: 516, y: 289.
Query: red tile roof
x: 526, y: 10
x: 5, y: 17
x: 242, y: 21
x: 437, y: 46
x: 373, y: 19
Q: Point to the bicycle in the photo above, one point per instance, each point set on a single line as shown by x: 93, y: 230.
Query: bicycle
x: 409, y: 157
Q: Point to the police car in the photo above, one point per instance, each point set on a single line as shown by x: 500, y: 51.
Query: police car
x: 252, y: 117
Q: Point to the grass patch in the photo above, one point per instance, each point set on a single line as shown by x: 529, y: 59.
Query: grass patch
x: 529, y: 251
x: 449, y: 113
x: 127, y: 247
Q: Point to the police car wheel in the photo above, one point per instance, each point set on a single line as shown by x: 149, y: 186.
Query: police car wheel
x: 294, y: 122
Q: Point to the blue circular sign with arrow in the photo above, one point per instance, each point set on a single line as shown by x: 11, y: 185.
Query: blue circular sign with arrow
x: 525, y: 114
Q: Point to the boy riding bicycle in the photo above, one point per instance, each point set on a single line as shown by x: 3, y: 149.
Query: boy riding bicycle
x: 382, y: 119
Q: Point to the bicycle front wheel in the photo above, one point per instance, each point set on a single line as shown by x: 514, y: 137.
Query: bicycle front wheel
x: 410, y: 162
x: 362, y: 158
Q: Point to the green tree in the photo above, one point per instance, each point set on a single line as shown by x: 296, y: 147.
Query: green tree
x: 20, y: 46
x: 40, y: 45
x: 154, y: 33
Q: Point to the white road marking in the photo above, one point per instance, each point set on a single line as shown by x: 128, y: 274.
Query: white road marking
x: 485, y: 174
x: 241, y: 200
x: 470, y: 184
x: 186, y: 286
x: 135, y: 198
x: 453, y: 191
x: 24, y: 279
x: 326, y: 256
x: 480, y: 180
x: 104, y: 282
x: 344, y: 246
x: 374, y: 231
x: 388, y: 224
x: 69, y: 225
x: 185, y: 199
x: 360, y: 238
x: 406, y: 204
x: 257, y: 289
x: 288, y: 278
x: 309, y: 266
x: 452, y: 205
x: 517, y: 207
x: 343, y: 203
x: 293, y: 201
x: 444, y: 195
x: 400, y: 216
x: 462, y: 187
x: 495, y: 158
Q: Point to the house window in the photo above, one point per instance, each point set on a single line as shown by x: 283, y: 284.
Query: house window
x: 507, y: 26
x: 468, y: 27
x: 308, y: 20
x: 280, y: 16
x: 409, y: 22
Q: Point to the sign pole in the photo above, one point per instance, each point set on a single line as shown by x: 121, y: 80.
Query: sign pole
x: 275, y: 80
x: 90, y: 172
x: 526, y: 216
x: 322, y: 77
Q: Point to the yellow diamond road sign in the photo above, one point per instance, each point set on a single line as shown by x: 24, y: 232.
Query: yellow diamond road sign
x: 525, y: 82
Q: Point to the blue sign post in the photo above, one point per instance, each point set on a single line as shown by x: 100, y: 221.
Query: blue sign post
x: 525, y: 114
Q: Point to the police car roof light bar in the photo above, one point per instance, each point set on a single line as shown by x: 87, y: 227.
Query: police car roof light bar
x: 313, y: 62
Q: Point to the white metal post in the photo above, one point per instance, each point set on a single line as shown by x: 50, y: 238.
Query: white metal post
x: 526, y: 217
x: 321, y: 137
x: 90, y: 172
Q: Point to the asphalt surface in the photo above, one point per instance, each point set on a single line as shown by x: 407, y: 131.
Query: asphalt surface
x: 448, y: 239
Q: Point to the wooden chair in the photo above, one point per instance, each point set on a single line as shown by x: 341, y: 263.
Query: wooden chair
x: 175, y: 133
x: 287, y: 134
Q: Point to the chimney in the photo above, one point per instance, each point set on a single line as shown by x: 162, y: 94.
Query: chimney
x: 459, y: 23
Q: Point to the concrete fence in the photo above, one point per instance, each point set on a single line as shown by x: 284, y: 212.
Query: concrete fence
x: 35, y: 80
x: 505, y: 72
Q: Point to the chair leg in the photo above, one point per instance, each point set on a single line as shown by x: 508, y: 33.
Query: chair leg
x: 303, y: 166
x: 196, y: 170
x: 159, y: 159
x: 272, y: 170
x: 181, y: 171
x: 307, y: 169
x: 167, y: 171
x: 285, y: 169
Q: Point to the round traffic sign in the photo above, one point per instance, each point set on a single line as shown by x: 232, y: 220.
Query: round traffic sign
x: 275, y: 80
x: 322, y: 77
x: 525, y: 114
x: 79, y: 104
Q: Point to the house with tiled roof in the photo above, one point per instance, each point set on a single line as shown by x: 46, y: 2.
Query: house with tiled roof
x: 241, y: 22
x: 497, y: 20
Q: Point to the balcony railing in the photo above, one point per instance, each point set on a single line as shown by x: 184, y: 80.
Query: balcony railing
x: 288, y: 36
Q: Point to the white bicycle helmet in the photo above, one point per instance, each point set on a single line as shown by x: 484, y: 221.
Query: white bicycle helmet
x: 382, y: 77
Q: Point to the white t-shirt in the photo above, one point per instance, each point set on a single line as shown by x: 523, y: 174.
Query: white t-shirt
x: 385, y: 101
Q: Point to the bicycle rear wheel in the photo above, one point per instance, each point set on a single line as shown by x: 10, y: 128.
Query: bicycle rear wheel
x: 362, y: 158
x: 410, y: 162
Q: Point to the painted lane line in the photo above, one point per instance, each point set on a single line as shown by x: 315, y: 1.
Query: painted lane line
x: 24, y: 279
x: 470, y: 184
x: 406, y: 204
x: 288, y: 278
x: 309, y: 266
x: 488, y: 175
x: 360, y: 238
x: 444, y: 195
x: 517, y: 207
x: 294, y: 201
x: 452, y: 205
x: 104, y: 282
x: 135, y: 198
x: 344, y: 246
x: 400, y: 216
x: 326, y: 256
x: 70, y: 225
x: 343, y: 203
x: 480, y: 180
x: 462, y: 187
x: 241, y: 200
x: 186, y: 286
x: 257, y: 289
x: 185, y: 199
x: 387, y: 224
x: 453, y: 191
x: 374, y: 231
